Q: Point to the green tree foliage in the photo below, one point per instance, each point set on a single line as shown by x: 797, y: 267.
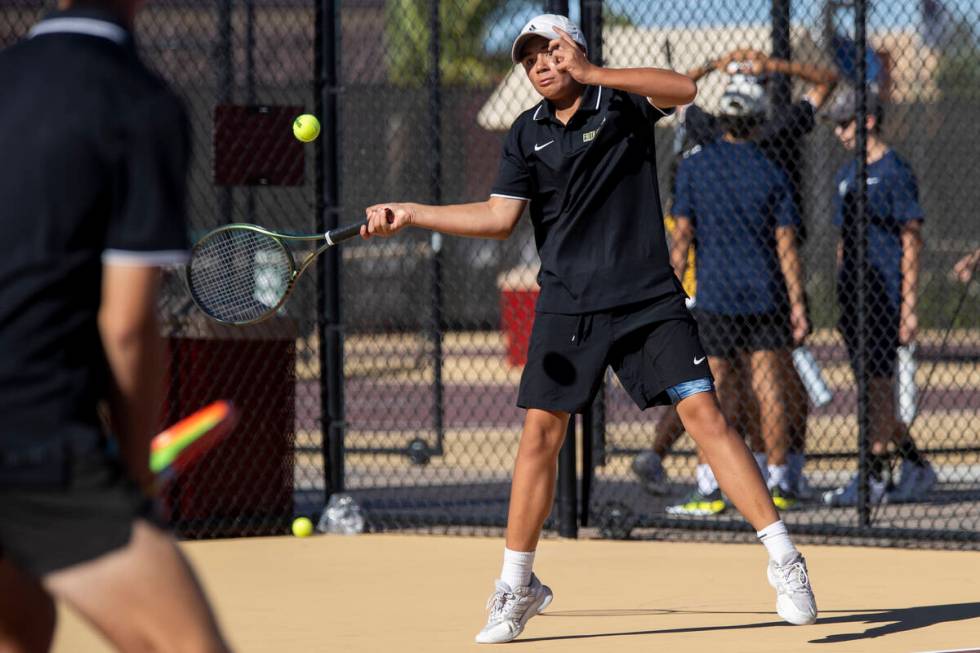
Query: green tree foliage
x: 463, y: 27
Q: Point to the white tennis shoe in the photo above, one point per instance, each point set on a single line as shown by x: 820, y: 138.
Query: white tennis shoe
x: 510, y: 609
x: 794, y: 595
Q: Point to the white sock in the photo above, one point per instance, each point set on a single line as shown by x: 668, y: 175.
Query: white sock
x: 779, y: 476
x: 707, y: 483
x: 516, y: 571
x: 760, y: 460
x: 776, y: 538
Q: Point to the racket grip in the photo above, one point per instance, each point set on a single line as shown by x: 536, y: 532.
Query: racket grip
x: 340, y: 234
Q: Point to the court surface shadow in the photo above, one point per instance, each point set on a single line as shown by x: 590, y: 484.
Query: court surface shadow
x: 892, y: 620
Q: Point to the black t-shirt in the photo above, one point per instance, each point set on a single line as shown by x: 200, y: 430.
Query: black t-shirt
x: 594, y: 201
x: 95, y: 149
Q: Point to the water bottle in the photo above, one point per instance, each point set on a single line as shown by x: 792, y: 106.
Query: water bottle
x: 342, y: 515
x: 812, y: 376
x: 905, y: 389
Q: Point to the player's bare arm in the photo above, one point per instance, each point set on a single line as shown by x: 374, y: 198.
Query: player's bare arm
x: 911, y: 249
x: 494, y: 218
x: 789, y: 263
x: 134, y: 351
x: 822, y: 80
x: 681, y: 241
x: 663, y: 88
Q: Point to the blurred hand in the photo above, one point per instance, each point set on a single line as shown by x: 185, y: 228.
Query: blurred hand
x: 753, y: 61
x: 387, y: 219
x: 569, y: 58
x: 908, y: 327
x: 966, y: 266
x: 799, y: 323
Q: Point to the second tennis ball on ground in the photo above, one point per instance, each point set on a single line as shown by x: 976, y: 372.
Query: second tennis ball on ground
x: 306, y: 127
x: 302, y: 527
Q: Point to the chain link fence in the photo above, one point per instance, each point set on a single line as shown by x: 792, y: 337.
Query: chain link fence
x: 419, y: 424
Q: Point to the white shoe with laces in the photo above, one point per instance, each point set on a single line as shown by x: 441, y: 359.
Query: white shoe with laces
x: 794, y: 595
x: 510, y: 609
x: 914, y: 484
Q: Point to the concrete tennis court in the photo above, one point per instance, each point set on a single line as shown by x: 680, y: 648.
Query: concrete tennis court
x: 426, y: 593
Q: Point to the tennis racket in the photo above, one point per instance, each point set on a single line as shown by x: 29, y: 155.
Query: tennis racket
x: 180, y: 446
x: 242, y: 273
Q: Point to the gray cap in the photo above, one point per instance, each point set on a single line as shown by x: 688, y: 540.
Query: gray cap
x: 845, y: 106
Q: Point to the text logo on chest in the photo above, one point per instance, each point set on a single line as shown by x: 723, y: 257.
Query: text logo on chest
x: 590, y: 136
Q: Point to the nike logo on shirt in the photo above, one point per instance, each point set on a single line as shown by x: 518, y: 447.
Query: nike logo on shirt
x: 698, y: 361
x: 538, y: 148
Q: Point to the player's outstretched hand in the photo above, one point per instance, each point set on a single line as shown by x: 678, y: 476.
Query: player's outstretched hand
x: 569, y: 58
x: 965, y: 267
x: 387, y: 219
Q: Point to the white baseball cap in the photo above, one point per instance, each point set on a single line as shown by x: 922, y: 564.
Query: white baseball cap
x: 544, y: 25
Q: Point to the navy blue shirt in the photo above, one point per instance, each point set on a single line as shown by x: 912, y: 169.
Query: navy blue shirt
x: 736, y: 197
x: 594, y: 201
x: 892, y: 201
x: 779, y: 136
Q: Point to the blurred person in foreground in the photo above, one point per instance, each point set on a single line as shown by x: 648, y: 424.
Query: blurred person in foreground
x: 890, y: 294
x: 93, y: 206
x: 584, y: 161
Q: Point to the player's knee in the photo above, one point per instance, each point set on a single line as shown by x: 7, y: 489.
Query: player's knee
x: 542, y: 438
x: 705, y: 421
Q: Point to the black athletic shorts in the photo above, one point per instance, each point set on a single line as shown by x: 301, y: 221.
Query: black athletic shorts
x: 881, y: 333
x: 651, y: 346
x: 725, y: 336
x: 64, y: 504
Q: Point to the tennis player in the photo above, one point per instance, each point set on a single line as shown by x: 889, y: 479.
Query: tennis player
x: 890, y: 289
x: 583, y: 160
x: 738, y: 205
x: 92, y: 192
x: 780, y: 136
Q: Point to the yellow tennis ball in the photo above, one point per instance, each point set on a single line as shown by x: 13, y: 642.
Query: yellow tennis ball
x: 302, y: 527
x: 306, y: 127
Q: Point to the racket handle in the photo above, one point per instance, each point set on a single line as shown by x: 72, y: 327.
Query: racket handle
x: 340, y: 234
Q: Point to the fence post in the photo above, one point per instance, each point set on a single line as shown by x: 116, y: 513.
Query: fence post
x: 861, y: 68
x: 326, y: 184
x: 435, y: 192
x: 557, y: 7
x: 567, y: 484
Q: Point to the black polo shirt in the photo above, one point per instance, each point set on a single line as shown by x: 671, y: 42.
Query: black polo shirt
x: 594, y: 201
x: 95, y: 150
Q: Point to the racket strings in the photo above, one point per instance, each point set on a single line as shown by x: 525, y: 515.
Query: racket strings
x: 239, y: 275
